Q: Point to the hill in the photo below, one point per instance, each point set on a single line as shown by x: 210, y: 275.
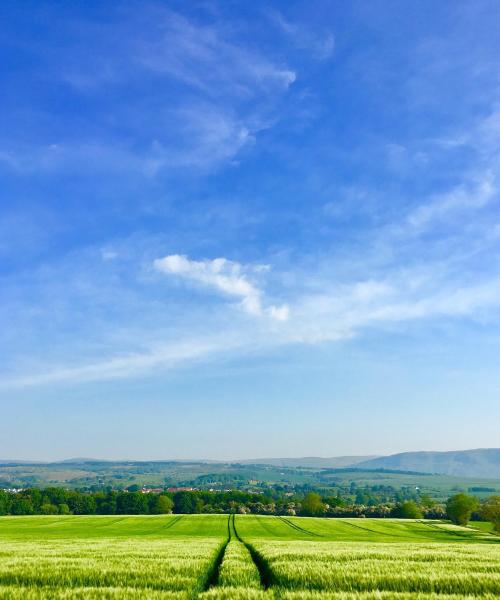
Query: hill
x: 311, y: 462
x: 484, y: 462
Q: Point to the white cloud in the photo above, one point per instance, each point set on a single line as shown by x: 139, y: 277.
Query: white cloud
x: 212, y: 95
x: 335, y: 313
x: 321, y: 45
x: 225, y: 276
x: 160, y: 358
x: 206, y: 58
x: 462, y: 198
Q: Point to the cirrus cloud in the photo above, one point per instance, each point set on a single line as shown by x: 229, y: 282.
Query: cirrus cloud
x: 226, y: 276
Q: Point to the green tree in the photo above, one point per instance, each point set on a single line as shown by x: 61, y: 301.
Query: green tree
x: 49, y: 509
x: 312, y: 505
x: 490, y: 511
x: 131, y: 503
x: 63, y: 509
x: 162, y: 505
x: 187, y: 503
x: 427, y: 502
x: 459, y: 508
x: 134, y: 488
x: 4, y: 503
x: 407, y: 510
x: 22, y: 506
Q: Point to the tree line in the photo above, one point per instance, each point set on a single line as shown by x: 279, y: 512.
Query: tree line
x: 459, y: 508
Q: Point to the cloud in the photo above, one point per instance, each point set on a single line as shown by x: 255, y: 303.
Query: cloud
x: 208, y: 137
x: 335, y: 314
x: 462, y: 198
x: 228, y: 277
x: 161, y: 358
x: 321, y: 45
x: 205, y: 58
x: 197, y: 97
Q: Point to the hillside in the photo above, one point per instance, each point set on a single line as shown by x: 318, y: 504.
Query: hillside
x: 311, y: 462
x: 483, y: 462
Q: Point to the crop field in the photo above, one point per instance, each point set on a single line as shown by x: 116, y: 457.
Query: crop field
x: 215, y: 557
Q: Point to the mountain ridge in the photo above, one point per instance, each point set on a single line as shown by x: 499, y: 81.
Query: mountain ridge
x: 479, y: 462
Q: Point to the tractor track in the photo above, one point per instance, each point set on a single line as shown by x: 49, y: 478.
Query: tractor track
x: 262, y: 565
x: 298, y: 527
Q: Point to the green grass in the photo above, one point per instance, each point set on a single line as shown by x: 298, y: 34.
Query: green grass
x: 360, y: 567
x: 255, y: 557
x: 484, y: 526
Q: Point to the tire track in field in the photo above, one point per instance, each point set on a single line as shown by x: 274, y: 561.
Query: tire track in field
x: 266, y: 575
x: 58, y: 521
x: 374, y: 530
x: 262, y: 522
x: 110, y: 522
x: 212, y: 575
x: 460, y: 534
x: 298, y: 527
x: 173, y: 522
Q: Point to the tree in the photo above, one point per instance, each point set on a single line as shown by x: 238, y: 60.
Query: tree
x: 162, y: 505
x: 4, y: 503
x: 22, y: 506
x: 187, y: 503
x: 63, y: 509
x: 459, y: 508
x: 49, y: 509
x: 131, y: 503
x: 81, y: 504
x: 407, y: 510
x: 312, y: 505
x: 490, y: 511
x: 427, y: 502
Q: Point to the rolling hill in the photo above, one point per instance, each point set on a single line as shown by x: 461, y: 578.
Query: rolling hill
x: 311, y: 462
x: 484, y: 462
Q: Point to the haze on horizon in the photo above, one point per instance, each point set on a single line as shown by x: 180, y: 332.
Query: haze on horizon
x: 232, y: 230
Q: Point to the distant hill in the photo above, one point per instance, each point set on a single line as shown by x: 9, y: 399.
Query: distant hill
x: 483, y: 462
x: 70, y: 461
x: 312, y: 462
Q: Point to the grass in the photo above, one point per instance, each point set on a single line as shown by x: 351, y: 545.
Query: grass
x: 360, y: 567
x: 214, y: 557
x: 484, y: 526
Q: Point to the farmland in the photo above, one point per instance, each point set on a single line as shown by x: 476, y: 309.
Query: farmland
x: 262, y: 478
x: 244, y: 556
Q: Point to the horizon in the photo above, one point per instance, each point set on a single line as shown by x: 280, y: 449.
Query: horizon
x: 234, y: 230
x: 236, y: 460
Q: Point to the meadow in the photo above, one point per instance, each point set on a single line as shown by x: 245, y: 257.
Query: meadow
x: 244, y: 556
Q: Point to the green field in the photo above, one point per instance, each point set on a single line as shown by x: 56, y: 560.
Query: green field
x: 217, y: 556
x: 78, y: 474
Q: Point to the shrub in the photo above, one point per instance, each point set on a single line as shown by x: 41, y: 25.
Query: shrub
x: 407, y: 510
x: 459, y: 508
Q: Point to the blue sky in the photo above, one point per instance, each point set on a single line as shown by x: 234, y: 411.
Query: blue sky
x: 235, y: 229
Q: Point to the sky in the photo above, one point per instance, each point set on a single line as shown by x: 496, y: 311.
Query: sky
x: 238, y: 230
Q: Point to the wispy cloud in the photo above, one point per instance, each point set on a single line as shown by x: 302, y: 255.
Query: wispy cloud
x: 205, y: 58
x: 206, y: 96
x: 178, y: 92
x: 462, y: 198
x: 157, y: 359
x: 338, y: 314
x: 320, y: 44
x: 228, y: 277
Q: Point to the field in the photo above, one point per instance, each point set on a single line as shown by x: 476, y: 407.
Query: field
x: 201, y: 475
x: 244, y: 556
